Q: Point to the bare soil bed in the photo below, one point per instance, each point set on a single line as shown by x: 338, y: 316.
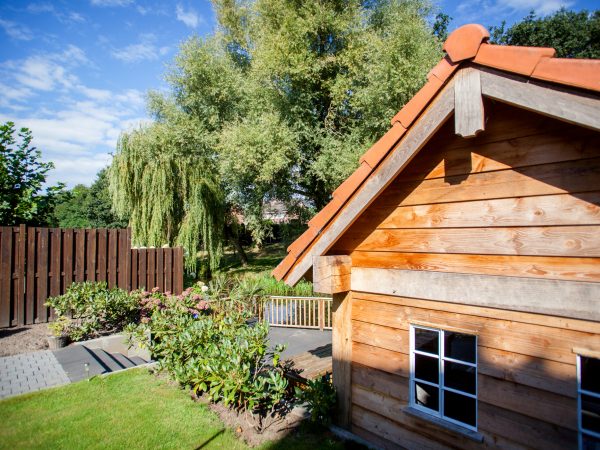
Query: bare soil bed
x: 252, y: 429
x: 24, y: 339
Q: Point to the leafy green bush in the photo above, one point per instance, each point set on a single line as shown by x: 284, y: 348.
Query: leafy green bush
x: 320, y: 398
x: 203, y: 339
x: 93, y: 309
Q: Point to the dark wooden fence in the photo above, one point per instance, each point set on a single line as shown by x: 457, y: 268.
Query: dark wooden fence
x: 37, y: 263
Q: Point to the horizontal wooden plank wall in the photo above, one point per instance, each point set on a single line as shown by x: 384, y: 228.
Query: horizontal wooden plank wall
x: 519, y: 202
x: 37, y: 263
x: 526, y: 374
x: 521, y: 199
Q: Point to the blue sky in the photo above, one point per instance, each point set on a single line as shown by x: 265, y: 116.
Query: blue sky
x: 76, y: 71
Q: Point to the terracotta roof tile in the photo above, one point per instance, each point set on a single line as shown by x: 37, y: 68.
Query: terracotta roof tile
x: 322, y: 217
x: 380, y: 149
x: 520, y: 60
x: 417, y: 104
x: 581, y: 73
x: 351, y: 184
x: 283, y: 267
x: 463, y: 43
x: 300, y: 244
x: 443, y: 70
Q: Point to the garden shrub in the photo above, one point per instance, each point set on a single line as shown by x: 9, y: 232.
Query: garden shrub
x: 203, y: 339
x: 320, y: 398
x: 90, y: 309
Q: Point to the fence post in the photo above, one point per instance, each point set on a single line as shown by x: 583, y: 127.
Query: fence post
x: 321, y: 314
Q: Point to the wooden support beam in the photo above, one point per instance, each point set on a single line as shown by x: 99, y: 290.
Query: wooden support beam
x: 468, y: 103
x: 331, y: 274
x: 341, y: 351
x: 575, y: 299
x: 549, y: 100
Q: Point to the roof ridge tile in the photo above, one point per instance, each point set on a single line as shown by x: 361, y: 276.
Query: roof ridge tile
x: 521, y: 60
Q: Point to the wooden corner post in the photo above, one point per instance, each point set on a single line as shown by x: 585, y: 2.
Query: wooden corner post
x: 331, y: 275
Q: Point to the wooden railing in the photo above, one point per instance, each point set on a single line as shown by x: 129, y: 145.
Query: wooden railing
x: 297, y: 312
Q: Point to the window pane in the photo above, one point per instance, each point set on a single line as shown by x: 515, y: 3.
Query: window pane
x: 590, y: 442
x: 590, y: 374
x: 590, y: 413
x: 458, y: 376
x: 460, y: 407
x: 427, y: 368
x: 460, y: 346
x: 427, y: 396
x: 427, y: 341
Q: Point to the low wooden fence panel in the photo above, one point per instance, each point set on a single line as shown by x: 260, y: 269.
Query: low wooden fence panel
x: 297, y: 312
x: 37, y: 263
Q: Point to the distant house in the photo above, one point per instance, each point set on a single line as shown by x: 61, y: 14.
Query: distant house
x: 464, y: 258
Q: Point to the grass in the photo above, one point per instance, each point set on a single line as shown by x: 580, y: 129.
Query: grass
x: 133, y: 409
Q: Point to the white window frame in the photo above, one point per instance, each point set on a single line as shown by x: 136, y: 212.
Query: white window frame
x: 441, y: 386
x: 580, y: 391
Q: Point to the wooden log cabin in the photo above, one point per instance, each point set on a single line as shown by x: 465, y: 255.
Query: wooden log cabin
x: 464, y: 259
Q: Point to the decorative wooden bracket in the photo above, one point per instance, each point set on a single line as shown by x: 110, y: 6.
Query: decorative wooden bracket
x: 468, y: 104
x: 331, y: 274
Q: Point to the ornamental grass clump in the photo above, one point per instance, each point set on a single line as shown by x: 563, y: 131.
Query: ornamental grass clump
x: 203, y: 339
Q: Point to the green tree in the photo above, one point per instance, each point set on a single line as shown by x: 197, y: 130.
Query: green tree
x: 88, y: 207
x: 22, y: 176
x: 278, y: 104
x: 71, y: 208
x: 572, y: 34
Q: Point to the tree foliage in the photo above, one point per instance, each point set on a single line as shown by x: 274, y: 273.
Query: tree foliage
x: 88, y: 207
x: 279, y: 103
x: 572, y: 34
x: 22, y: 176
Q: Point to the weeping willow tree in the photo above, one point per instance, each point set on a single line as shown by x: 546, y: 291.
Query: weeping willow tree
x: 161, y: 177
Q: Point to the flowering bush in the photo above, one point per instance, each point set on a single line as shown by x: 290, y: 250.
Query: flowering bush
x: 94, y: 309
x: 202, y: 338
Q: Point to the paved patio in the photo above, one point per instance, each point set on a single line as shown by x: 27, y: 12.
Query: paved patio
x: 309, y: 349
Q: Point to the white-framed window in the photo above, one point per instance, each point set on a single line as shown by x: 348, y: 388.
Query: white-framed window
x: 588, y: 402
x: 443, y: 374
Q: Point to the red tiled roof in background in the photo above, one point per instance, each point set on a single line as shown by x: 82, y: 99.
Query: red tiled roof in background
x: 467, y: 43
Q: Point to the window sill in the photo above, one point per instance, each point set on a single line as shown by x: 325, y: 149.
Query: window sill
x: 470, y: 434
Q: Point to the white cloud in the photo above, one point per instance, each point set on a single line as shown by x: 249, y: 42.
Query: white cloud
x: 74, y: 125
x: 16, y: 31
x: 111, y: 2
x: 189, y: 17
x: 478, y: 10
x: 145, y: 50
x: 47, y: 8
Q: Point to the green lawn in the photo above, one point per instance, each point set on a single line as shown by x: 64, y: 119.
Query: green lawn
x: 128, y: 410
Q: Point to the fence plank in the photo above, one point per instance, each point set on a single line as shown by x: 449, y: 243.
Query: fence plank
x: 20, y: 270
x: 91, y: 243
x: 128, y: 257
x: 151, y: 268
x: 169, y: 269
x: 134, y: 269
x: 142, y: 264
x: 30, y: 277
x: 80, y: 255
x: 55, y: 257
x: 102, y: 252
x: 42, y: 275
x: 5, y: 275
x: 160, y: 269
x: 112, y: 258
x: 178, y: 271
x: 123, y: 260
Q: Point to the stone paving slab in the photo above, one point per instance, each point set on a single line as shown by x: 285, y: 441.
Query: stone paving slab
x: 29, y: 372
